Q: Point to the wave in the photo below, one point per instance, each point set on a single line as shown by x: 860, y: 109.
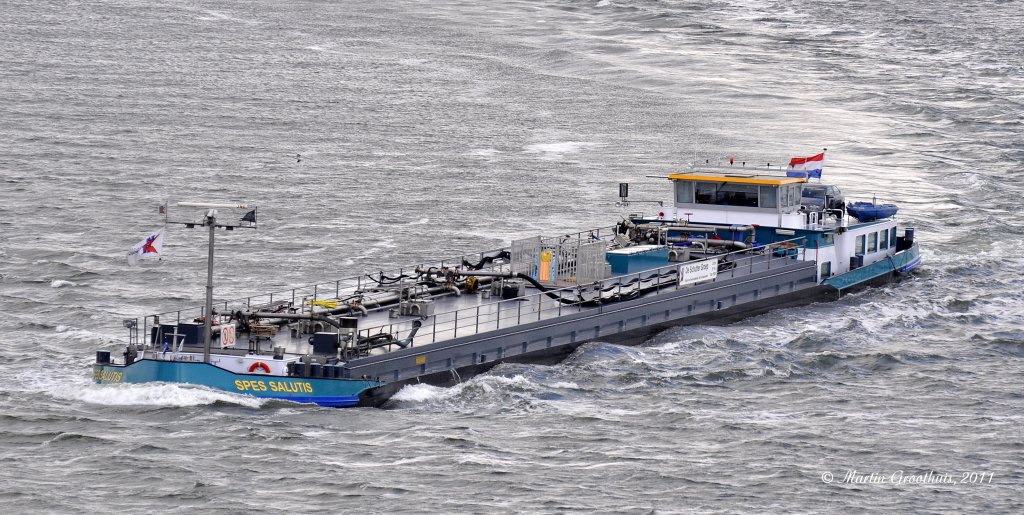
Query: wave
x: 151, y: 395
x: 562, y: 147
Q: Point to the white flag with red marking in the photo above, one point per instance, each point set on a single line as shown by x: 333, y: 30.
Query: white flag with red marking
x: 152, y: 246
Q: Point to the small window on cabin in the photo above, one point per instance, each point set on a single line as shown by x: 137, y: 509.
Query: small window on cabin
x: 826, y: 269
x: 830, y: 239
x: 883, y: 242
x: 684, y: 192
x: 892, y: 237
x: 873, y: 242
x: 705, y: 192
x: 859, y: 248
x: 768, y: 197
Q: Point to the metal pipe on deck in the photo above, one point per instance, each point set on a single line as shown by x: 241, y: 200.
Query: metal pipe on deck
x: 478, y: 273
x: 705, y: 227
x: 297, y: 316
x: 721, y: 243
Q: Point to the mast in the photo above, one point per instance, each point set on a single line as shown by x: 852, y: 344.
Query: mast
x: 210, y: 220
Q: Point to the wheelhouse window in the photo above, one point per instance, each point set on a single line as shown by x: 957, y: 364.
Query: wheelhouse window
x: 892, y: 237
x: 859, y: 248
x: 705, y: 192
x: 726, y: 194
x: 790, y: 195
x: 737, y: 195
x: 768, y: 196
x: 873, y: 242
x: 684, y: 192
x: 883, y: 242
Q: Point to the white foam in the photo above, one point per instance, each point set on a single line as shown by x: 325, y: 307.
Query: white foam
x: 77, y: 335
x: 565, y: 385
x: 151, y: 394
x: 208, y: 15
x: 564, y: 147
x: 318, y: 48
x: 484, y: 152
x: 60, y: 283
x: 486, y: 383
x: 421, y: 393
x: 518, y: 380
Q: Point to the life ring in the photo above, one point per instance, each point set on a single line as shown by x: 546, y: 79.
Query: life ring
x: 259, y: 364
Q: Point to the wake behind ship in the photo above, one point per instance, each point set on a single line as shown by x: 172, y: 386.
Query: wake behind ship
x: 732, y: 245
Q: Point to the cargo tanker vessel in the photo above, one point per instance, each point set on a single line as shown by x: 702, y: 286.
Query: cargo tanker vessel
x: 729, y: 245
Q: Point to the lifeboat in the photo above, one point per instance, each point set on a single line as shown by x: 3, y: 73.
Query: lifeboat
x: 869, y: 211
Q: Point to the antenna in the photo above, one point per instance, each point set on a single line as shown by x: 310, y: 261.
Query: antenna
x: 624, y: 194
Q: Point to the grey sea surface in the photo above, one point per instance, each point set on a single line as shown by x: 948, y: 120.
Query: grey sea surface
x: 383, y: 134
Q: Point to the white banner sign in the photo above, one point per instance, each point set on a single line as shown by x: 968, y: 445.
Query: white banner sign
x: 699, y: 271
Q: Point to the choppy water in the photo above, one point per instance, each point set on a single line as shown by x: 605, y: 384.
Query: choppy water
x: 429, y: 129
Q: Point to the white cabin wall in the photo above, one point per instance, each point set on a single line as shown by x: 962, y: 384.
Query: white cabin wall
x: 721, y: 216
x: 846, y: 244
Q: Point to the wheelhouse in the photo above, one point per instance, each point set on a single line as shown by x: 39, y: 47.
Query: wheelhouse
x: 738, y: 198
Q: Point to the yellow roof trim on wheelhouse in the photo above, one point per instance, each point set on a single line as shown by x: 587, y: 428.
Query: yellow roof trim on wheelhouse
x: 740, y: 179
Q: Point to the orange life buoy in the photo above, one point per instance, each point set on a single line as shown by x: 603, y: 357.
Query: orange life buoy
x: 259, y: 364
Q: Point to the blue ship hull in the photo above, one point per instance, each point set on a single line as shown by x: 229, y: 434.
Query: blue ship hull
x: 902, y: 262
x: 338, y: 393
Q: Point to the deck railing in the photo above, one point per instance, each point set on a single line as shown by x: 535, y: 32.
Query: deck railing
x: 488, y: 316
x: 302, y: 297
x: 504, y: 313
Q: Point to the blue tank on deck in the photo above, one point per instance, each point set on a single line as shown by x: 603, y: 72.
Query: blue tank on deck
x: 635, y: 259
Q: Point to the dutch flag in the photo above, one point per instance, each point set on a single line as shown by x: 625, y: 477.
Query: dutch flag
x: 806, y: 166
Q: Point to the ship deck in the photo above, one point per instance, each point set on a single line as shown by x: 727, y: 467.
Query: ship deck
x: 472, y: 314
x: 467, y: 314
